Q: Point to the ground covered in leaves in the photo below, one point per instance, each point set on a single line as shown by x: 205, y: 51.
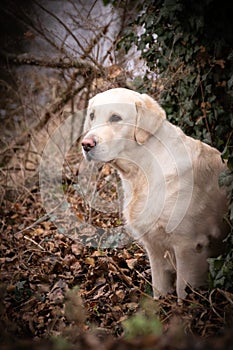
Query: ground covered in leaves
x: 59, y: 293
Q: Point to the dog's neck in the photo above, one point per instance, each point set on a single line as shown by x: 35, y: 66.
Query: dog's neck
x: 127, y: 169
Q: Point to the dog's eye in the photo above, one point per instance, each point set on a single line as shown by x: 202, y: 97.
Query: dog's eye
x: 115, y: 118
x: 92, y: 116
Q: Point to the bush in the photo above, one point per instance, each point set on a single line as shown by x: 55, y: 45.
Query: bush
x: 188, y: 49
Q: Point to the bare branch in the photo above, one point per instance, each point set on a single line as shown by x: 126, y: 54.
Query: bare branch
x: 54, y: 108
x: 24, y: 18
x: 69, y: 31
x: 93, y: 5
x: 65, y: 63
x: 95, y: 41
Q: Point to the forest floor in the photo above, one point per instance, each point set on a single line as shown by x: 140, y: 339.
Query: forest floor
x: 59, y: 293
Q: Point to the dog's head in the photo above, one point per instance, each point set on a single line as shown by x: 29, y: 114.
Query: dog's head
x: 117, y: 119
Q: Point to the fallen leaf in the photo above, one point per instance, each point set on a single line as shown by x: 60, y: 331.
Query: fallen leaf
x: 131, y: 263
x: 90, y: 261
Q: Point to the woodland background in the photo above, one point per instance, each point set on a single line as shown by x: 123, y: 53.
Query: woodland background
x: 57, y: 292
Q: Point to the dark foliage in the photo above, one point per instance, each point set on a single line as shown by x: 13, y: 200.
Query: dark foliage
x: 188, y: 47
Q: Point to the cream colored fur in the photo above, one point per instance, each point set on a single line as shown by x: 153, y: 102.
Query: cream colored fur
x: 172, y: 201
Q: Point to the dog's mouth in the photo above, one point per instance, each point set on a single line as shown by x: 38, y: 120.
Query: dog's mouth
x: 98, y: 154
x: 95, y: 150
x: 88, y: 155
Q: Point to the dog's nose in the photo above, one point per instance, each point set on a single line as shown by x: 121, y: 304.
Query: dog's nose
x: 88, y: 144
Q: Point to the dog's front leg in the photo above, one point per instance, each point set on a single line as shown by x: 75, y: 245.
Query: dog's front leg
x: 161, y: 271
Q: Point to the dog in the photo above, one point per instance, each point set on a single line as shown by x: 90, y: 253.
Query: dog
x: 172, y: 201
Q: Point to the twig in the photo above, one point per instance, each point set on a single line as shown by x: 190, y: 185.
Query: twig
x: 212, y: 306
x: 65, y: 63
x: 34, y: 242
x: 226, y: 295
x: 93, y: 5
x: 54, y: 107
x: 43, y: 218
x: 94, y: 41
x: 69, y: 31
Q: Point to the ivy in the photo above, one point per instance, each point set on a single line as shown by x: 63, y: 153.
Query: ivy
x: 188, y: 47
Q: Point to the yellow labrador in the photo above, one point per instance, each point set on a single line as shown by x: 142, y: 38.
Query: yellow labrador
x: 172, y: 201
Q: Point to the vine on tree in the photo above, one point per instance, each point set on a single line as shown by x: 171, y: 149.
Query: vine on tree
x: 188, y: 48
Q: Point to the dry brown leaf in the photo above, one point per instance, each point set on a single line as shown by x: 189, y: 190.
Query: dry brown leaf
x: 131, y: 263
x: 76, y: 249
x: 90, y: 261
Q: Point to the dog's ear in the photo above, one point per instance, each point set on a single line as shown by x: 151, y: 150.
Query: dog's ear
x: 150, y: 116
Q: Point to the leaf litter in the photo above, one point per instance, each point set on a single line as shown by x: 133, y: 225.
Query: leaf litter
x: 59, y: 293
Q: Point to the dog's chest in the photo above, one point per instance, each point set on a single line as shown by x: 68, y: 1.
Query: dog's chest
x: 142, y: 206
x: 148, y: 202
